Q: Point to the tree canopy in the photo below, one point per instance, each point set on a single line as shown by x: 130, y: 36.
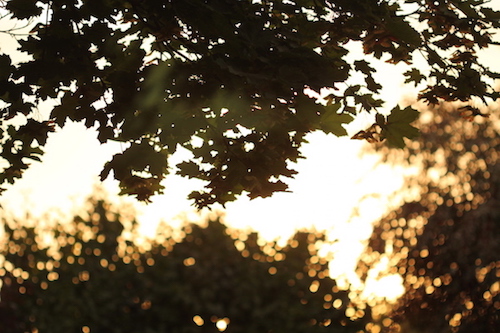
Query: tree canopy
x: 239, y: 75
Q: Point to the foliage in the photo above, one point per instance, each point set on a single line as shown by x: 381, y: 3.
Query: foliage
x: 99, y: 281
x: 448, y: 239
x: 155, y: 74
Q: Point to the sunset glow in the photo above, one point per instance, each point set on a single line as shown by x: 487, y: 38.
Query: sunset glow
x: 344, y: 191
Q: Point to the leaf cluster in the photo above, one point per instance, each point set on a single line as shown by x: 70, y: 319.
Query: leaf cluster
x: 155, y: 74
x: 394, y: 127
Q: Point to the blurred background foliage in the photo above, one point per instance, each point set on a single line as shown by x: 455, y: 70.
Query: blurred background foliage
x: 198, y: 279
x: 445, y: 243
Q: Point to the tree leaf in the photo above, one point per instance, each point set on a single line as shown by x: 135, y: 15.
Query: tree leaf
x: 414, y: 76
x: 331, y: 121
x: 466, y: 8
x: 364, y: 67
x: 398, y: 126
x: 23, y: 9
x: 402, y: 30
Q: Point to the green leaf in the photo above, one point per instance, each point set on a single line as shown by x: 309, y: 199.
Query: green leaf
x: 331, y: 121
x: 364, y: 67
x: 5, y: 66
x: 23, y: 9
x: 414, y: 75
x: 398, y: 126
x: 367, y: 101
x: 34, y: 130
x: 491, y: 14
x: 371, y: 84
x: 352, y: 90
x: 380, y: 120
x: 466, y: 8
x: 402, y: 30
x: 188, y: 169
x: 133, y: 167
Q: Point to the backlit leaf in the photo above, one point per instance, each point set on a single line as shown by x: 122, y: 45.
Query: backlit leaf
x: 332, y: 121
x: 398, y: 126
